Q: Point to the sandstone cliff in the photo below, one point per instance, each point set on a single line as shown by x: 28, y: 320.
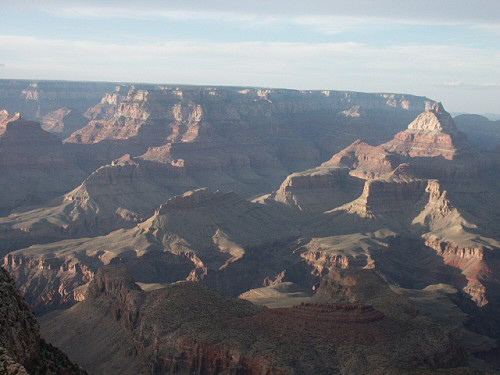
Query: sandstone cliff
x: 445, y: 228
x: 364, y: 160
x: 433, y: 133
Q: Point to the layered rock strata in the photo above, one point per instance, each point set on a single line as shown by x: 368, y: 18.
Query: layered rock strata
x: 251, y: 131
x: 316, y: 190
x: 432, y: 134
x: 34, y: 99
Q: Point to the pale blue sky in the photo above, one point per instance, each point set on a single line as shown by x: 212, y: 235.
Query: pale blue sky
x: 448, y: 50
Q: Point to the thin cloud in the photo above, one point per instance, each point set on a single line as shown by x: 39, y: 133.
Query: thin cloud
x: 413, y: 69
x: 317, y: 63
x: 471, y: 86
x: 423, y: 11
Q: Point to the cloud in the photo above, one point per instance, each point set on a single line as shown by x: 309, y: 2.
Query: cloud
x: 435, y: 71
x: 470, y: 86
x: 422, y: 11
x: 2, y: 65
x: 304, y: 65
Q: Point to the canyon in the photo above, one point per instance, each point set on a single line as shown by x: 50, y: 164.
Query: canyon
x: 225, y: 229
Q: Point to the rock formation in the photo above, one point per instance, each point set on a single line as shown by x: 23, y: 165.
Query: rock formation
x: 433, y: 133
x: 248, y: 133
x: 186, y: 327
x: 37, y: 98
x: 417, y: 209
x: 316, y: 190
x: 428, y: 190
x: 118, y: 195
x: 5, y: 118
x: 63, y: 121
x: 364, y: 160
x: 22, y: 350
x: 195, y: 234
x: 381, y: 197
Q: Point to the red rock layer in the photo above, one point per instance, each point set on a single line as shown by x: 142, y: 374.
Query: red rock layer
x: 433, y: 133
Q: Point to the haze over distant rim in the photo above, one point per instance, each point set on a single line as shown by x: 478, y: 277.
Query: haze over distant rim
x: 447, y: 50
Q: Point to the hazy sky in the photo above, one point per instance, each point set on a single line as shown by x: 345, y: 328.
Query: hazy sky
x: 448, y: 50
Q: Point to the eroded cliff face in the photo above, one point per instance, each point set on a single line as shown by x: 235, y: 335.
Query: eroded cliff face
x: 258, y: 132
x: 35, y: 99
x: 118, y: 195
x: 186, y: 111
x: 316, y: 190
x: 433, y: 133
x: 422, y: 203
x: 386, y: 197
x: 364, y: 161
x: 33, y: 165
x: 48, y: 283
x: 63, y: 121
x: 22, y: 351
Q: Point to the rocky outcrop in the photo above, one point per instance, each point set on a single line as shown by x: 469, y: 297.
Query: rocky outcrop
x: 432, y: 146
x: 432, y: 134
x: 22, y: 350
x: 186, y: 327
x: 5, y: 118
x: 248, y: 168
x: 316, y: 190
x: 215, y: 214
x: 50, y: 282
x: 451, y: 233
x: 381, y: 197
x: 364, y: 161
x: 63, y: 121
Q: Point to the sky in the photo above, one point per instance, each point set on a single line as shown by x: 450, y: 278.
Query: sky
x: 447, y: 50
